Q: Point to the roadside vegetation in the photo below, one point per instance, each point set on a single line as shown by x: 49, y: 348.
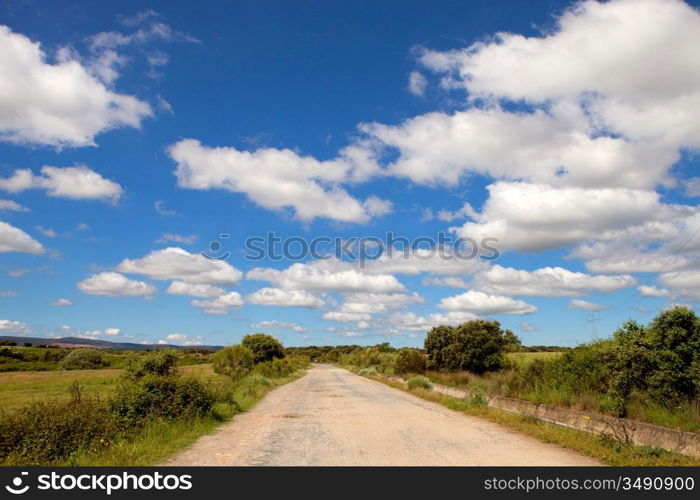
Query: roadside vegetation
x: 643, y: 372
x: 142, y: 413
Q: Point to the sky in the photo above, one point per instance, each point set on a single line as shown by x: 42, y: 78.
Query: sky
x: 147, y: 149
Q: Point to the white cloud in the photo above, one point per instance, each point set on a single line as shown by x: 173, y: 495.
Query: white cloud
x: 527, y: 327
x: 8, y: 293
x: 413, y: 322
x: 684, y: 285
x: 377, y: 303
x: 18, y: 272
x: 14, y: 327
x: 278, y: 325
x: 441, y: 260
x: 181, y: 339
x: 62, y: 303
x: 219, y: 305
x: 548, y: 282
x: 177, y: 238
x: 325, y: 276
x: 599, y: 53
x: 652, y: 291
x: 13, y: 239
x: 174, y: 263
x: 112, y: 331
x: 59, y: 104
x: 586, y: 306
x: 277, y: 179
x: 159, y: 206
x: 12, y: 206
x: 284, y: 298
x: 346, y: 317
x: 449, y: 281
x: 480, y: 302
x: 77, y: 183
x: 194, y: 289
x: 692, y: 187
x: 417, y: 83
x: 111, y: 284
x: 537, y: 217
x: 46, y: 231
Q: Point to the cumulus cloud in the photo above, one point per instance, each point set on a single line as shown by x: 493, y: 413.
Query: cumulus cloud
x: 56, y: 104
x: 652, y: 291
x: 529, y: 217
x: 174, y: 263
x: 285, y: 298
x: 177, y: 238
x: 62, y: 303
x: 12, y: 206
x: 417, y: 83
x: 219, y: 305
x: 586, y: 306
x: 684, y: 285
x: 13, y: 239
x: 548, y: 282
x: 111, y: 284
x: 414, y: 322
x: 276, y: 179
x: 181, y: 339
x: 480, y: 302
x: 77, y: 183
x: 326, y: 276
x: 194, y: 289
x: 440, y: 260
x: 278, y: 325
x: 14, y: 327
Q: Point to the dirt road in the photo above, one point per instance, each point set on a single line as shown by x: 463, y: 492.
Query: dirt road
x: 333, y: 417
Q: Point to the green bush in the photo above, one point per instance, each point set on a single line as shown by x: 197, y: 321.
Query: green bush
x: 154, y: 396
x: 410, y: 361
x: 83, y: 359
x: 161, y: 363
x: 51, y: 431
x: 233, y: 361
x: 264, y: 347
x: 367, y: 371
x: 419, y: 381
x: 477, y: 346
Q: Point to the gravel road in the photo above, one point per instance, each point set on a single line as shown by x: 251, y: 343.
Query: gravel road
x: 333, y: 417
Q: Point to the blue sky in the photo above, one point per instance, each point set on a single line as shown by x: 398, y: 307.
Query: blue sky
x: 133, y: 135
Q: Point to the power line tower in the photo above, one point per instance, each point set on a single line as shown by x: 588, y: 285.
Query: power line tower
x: 592, y: 318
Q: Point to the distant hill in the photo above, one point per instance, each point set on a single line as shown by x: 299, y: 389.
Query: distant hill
x: 102, y: 344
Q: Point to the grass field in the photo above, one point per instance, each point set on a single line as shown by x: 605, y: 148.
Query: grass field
x: 19, y: 389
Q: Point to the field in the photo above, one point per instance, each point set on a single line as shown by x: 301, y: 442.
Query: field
x: 523, y: 359
x: 140, y: 414
x: 19, y: 389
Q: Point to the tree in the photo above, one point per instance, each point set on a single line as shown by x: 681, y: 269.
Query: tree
x: 233, y: 361
x: 513, y: 343
x: 82, y: 359
x: 264, y: 347
x: 475, y: 346
x: 410, y: 361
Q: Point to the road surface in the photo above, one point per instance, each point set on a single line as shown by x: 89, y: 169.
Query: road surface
x: 333, y: 417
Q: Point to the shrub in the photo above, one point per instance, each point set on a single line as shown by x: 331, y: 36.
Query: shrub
x: 410, y: 361
x: 83, y: 359
x: 160, y: 363
x: 154, y: 396
x: 419, y: 381
x: 367, y: 371
x: 233, y: 361
x: 475, y: 346
x: 51, y: 431
x: 264, y: 347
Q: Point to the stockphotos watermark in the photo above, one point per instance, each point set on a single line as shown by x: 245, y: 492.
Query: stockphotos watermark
x: 360, y: 249
x: 102, y: 483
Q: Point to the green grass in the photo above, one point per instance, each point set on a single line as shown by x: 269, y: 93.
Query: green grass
x: 604, y: 449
